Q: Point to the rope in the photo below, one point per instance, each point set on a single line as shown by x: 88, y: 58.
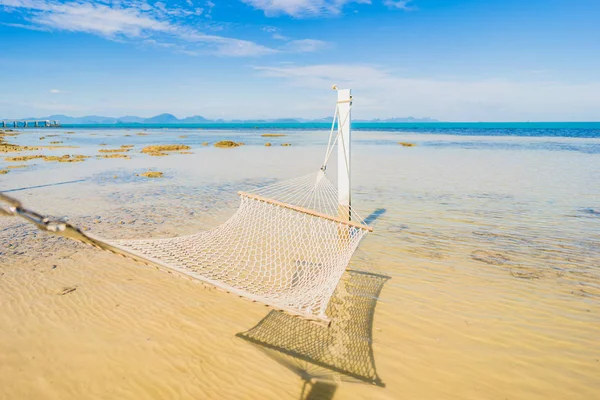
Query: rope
x: 330, y: 145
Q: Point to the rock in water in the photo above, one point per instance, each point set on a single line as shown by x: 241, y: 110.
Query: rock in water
x: 152, y: 174
x: 224, y: 144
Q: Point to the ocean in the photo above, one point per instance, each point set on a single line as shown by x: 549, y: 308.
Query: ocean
x: 481, y: 279
x: 579, y: 137
x: 536, y: 129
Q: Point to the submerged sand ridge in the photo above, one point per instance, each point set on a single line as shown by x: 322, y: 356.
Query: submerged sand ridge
x: 493, y: 291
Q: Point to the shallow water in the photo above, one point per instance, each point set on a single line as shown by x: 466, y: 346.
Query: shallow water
x: 484, y: 263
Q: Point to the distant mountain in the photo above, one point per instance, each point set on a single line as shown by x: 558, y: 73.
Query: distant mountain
x: 166, y: 118
x: 129, y: 119
x: 196, y: 119
x: 286, y: 121
x: 162, y: 119
x: 407, y: 119
x: 64, y: 119
x: 97, y: 119
x: 326, y: 119
x: 89, y: 119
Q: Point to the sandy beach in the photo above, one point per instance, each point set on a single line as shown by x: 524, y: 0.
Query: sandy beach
x: 480, y: 281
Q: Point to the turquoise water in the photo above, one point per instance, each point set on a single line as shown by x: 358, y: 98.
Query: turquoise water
x: 527, y: 129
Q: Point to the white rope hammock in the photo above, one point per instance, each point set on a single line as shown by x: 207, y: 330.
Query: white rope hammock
x: 286, y: 245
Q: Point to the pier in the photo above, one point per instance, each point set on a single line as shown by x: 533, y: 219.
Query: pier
x: 29, y: 124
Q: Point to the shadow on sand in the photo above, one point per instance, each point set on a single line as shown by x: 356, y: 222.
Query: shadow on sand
x: 374, y: 215
x: 320, y: 356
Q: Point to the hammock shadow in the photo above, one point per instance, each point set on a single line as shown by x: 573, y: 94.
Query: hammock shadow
x: 319, y: 390
x: 374, y: 215
x: 322, y: 356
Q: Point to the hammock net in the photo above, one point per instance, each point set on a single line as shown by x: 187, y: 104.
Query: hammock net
x: 285, y: 247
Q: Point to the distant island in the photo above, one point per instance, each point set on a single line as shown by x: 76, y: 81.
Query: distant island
x: 197, y: 119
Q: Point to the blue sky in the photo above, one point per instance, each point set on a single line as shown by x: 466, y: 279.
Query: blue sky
x: 454, y: 60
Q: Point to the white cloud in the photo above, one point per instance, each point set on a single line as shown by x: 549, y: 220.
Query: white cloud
x: 296, y: 45
x: 278, y: 36
x: 274, y: 33
x: 208, y: 10
x: 305, y: 45
x: 131, y: 20
x: 398, y: 4
x: 225, y: 46
x: 55, y: 91
x: 157, y: 25
x: 301, y: 8
x: 381, y: 93
x: 26, y: 26
x: 99, y: 19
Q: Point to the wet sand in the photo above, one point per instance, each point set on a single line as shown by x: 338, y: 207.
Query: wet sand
x: 485, y: 281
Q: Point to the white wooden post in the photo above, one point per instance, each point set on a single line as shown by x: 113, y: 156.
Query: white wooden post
x: 344, y: 201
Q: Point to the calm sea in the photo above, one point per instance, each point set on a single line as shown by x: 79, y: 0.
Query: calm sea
x: 483, y: 267
x: 535, y: 129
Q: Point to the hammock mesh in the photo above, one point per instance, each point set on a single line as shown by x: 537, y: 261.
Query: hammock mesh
x: 286, y: 247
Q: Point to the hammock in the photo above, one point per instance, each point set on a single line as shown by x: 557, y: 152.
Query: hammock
x: 286, y: 246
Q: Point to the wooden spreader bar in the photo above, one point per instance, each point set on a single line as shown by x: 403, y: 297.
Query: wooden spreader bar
x: 305, y: 211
